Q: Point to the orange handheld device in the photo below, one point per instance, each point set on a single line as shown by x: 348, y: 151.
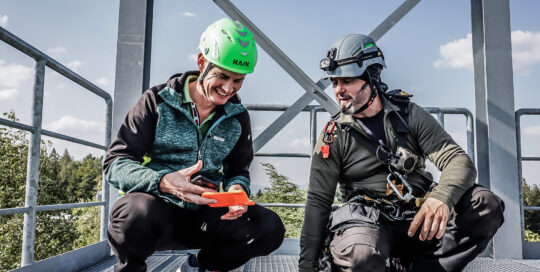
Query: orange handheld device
x: 226, y: 199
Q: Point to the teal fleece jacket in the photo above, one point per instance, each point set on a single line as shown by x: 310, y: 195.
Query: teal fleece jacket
x: 160, y: 128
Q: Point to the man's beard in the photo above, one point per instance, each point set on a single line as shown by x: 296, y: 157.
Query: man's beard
x: 355, y: 104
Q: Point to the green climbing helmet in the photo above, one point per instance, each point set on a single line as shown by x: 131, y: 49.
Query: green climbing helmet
x: 229, y: 45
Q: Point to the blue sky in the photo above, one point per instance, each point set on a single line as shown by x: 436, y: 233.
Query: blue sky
x: 428, y: 53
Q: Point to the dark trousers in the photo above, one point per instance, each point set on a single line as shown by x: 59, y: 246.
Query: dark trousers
x: 142, y: 224
x: 473, y: 222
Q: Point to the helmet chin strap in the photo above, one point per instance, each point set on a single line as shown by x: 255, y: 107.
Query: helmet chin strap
x: 371, y: 97
x: 203, y: 75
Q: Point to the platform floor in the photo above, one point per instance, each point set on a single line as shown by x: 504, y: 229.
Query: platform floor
x: 166, y: 262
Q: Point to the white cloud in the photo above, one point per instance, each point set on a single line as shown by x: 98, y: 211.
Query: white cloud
x: 189, y: 14
x: 3, y: 20
x: 525, y: 52
x: 55, y: 51
x: 102, y: 82
x: 533, y: 131
x: 69, y: 124
x: 8, y: 94
x: 12, y: 75
x: 74, y: 65
x: 300, y: 143
x: 456, y: 54
x: 193, y: 57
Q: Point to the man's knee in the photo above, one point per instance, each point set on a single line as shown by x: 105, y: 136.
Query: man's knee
x: 130, y: 214
x: 358, y: 250
x: 270, y: 229
x: 485, y: 214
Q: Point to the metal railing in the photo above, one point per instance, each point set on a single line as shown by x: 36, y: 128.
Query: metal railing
x: 313, y: 109
x: 32, y: 176
x: 520, y: 113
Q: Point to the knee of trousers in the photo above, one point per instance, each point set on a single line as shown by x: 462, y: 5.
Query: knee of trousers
x: 486, y: 214
x: 271, y: 232
x: 358, y: 257
x: 132, y: 214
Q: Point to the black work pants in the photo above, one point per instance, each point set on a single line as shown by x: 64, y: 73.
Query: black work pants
x: 473, y: 222
x: 142, y: 224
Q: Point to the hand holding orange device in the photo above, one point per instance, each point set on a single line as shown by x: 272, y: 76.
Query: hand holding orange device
x: 226, y: 199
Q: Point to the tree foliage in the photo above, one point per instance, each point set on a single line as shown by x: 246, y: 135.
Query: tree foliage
x: 531, y: 197
x: 61, y: 180
x: 283, y: 191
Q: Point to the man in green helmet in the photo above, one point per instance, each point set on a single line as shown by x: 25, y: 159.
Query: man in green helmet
x: 192, y: 125
x: 395, y: 218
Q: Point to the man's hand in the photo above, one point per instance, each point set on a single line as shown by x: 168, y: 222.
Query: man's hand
x: 434, y: 215
x: 177, y: 183
x: 237, y: 211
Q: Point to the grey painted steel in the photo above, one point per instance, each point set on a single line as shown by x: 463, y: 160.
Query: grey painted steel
x: 531, y: 251
x: 281, y: 121
x: 285, y: 259
x: 75, y: 260
x: 68, y: 206
x: 527, y: 253
x: 50, y: 133
x: 285, y: 62
x: 72, y: 139
x: 469, y: 123
x: 391, y: 20
x: 530, y: 158
x: 440, y: 118
x: 43, y: 60
x: 313, y: 128
x: 132, y: 59
x: 10, y: 211
x: 495, y: 106
x: 104, y: 185
x: 32, y: 169
x: 283, y: 155
x: 482, y: 162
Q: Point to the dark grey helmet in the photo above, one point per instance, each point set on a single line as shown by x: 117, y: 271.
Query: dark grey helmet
x: 351, y: 55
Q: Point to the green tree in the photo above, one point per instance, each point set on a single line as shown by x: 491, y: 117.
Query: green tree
x: 13, y: 153
x: 61, y: 180
x: 283, y: 191
x: 531, y: 197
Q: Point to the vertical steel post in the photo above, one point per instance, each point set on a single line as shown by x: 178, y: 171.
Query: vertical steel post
x: 313, y: 128
x: 496, y: 125
x: 440, y: 118
x: 104, y: 185
x: 132, y: 61
x: 32, y: 169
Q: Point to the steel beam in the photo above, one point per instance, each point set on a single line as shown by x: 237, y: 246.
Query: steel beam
x: 391, y: 20
x: 132, y: 61
x: 32, y: 169
x: 495, y: 116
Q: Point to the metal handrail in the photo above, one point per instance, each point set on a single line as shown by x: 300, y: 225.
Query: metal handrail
x: 313, y: 109
x: 32, y: 177
x: 519, y: 113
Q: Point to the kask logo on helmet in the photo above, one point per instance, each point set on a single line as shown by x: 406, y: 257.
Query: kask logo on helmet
x: 241, y: 63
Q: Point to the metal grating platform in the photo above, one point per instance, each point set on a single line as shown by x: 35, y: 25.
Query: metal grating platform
x: 286, y: 263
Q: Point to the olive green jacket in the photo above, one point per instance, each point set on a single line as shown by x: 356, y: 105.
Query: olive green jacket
x: 351, y: 165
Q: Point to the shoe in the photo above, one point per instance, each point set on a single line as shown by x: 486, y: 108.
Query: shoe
x: 186, y: 266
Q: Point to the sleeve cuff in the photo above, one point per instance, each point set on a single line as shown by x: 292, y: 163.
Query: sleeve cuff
x: 243, y: 181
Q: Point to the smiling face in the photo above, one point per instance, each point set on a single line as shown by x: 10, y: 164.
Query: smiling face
x: 351, y: 93
x: 219, y: 84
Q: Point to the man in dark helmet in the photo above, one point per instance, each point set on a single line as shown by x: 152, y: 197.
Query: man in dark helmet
x: 395, y: 216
